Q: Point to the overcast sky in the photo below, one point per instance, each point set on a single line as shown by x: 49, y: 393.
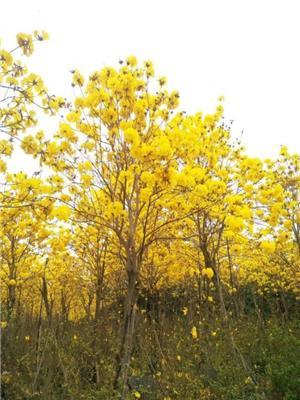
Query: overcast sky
x: 247, y: 51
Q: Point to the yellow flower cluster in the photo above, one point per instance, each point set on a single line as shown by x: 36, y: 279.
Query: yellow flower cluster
x: 62, y: 213
x: 208, y: 272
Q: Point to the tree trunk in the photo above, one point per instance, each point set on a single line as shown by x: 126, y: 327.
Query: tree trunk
x: 44, y: 292
x: 210, y: 263
x: 127, y: 341
x: 65, y: 306
x: 98, y: 297
x: 11, y: 301
x: 232, y: 281
x: 96, y: 333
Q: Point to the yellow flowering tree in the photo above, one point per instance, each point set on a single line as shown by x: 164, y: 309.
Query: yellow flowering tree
x: 118, y: 151
x: 23, y: 237
x: 23, y: 95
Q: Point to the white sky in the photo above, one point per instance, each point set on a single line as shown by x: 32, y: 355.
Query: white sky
x: 247, y: 51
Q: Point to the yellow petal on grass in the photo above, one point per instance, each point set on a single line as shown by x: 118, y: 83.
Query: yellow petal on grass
x: 185, y: 310
x: 194, y: 332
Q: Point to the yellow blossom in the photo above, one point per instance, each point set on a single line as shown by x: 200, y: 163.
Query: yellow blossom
x: 62, y: 213
x: 25, y: 42
x: 269, y: 247
x: 131, y: 136
x: 131, y: 61
x: 185, y: 310
x: 208, y: 272
x: 194, y: 332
